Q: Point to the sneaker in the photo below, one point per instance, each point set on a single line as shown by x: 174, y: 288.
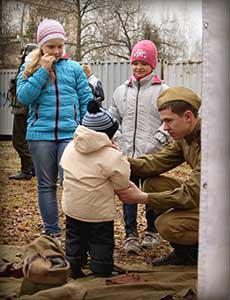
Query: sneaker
x: 57, y: 237
x: 33, y: 172
x: 76, y: 274
x: 131, y: 245
x: 150, y: 240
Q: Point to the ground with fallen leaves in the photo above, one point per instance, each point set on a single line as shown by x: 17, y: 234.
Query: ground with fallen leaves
x: 20, y: 218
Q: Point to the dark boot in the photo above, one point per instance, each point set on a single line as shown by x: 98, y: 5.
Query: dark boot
x: 76, y: 274
x: 188, y: 254
x: 27, y: 166
x: 21, y: 176
x: 33, y: 172
x: 182, y: 255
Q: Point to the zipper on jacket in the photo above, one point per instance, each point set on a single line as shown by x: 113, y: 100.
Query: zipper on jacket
x: 75, y: 114
x: 57, y: 107
x: 36, y: 114
x: 135, y: 127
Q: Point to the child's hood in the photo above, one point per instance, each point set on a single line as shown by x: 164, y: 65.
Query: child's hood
x: 87, y: 141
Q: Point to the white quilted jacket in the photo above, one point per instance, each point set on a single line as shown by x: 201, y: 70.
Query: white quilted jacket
x: 134, y: 104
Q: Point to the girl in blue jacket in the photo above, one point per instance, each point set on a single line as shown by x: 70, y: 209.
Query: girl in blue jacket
x: 57, y: 92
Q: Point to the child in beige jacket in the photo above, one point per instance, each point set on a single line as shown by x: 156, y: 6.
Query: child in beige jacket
x: 93, y: 170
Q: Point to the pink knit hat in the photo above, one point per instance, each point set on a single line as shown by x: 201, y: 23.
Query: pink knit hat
x: 49, y: 29
x: 145, y: 51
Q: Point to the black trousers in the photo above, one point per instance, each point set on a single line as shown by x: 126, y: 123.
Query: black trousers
x: 20, y: 143
x: 95, y: 239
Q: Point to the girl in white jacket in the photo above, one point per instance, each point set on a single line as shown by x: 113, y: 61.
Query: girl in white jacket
x: 140, y: 132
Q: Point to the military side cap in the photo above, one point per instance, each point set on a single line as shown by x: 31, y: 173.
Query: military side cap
x: 179, y: 93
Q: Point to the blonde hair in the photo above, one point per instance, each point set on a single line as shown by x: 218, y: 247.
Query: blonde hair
x: 34, y: 64
x: 87, y: 70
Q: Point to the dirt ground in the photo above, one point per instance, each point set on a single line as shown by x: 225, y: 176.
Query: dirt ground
x: 20, y: 218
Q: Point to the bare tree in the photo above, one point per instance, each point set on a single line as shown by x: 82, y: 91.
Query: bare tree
x: 99, y: 30
x: 84, y: 12
x: 106, y: 29
x: 177, y: 39
x: 120, y: 25
x: 173, y: 43
x: 19, y: 20
x: 40, y: 9
x: 116, y: 28
x: 10, y: 38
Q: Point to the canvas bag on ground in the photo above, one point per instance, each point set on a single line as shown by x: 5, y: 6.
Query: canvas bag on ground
x: 44, y: 265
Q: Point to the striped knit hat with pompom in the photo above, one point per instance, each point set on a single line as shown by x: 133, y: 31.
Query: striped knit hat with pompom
x: 99, y: 119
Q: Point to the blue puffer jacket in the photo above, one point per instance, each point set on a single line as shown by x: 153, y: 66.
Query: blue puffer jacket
x: 55, y: 107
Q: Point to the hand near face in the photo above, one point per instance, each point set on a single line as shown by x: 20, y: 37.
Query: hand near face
x: 47, y: 61
x: 132, y: 195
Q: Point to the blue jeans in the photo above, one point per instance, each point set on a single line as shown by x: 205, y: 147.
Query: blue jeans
x: 130, y: 215
x: 46, y: 156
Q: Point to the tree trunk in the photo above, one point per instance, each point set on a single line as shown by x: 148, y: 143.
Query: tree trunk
x: 78, y: 40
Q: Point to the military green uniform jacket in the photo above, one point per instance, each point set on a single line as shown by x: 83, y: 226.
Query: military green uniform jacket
x: 186, y: 196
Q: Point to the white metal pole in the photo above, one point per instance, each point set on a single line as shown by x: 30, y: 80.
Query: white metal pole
x: 214, y: 233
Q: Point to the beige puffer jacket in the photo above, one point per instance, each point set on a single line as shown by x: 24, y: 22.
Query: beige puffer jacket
x: 92, y: 171
x: 134, y: 104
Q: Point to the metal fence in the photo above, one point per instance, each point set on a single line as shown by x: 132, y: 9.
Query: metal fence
x: 187, y: 74
x: 112, y: 74
x: 6, y: 118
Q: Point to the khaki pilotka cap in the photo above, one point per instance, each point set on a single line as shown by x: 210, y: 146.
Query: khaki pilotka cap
x: 179, y: 93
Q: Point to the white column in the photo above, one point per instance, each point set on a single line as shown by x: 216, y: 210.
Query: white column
x: 214, y: 233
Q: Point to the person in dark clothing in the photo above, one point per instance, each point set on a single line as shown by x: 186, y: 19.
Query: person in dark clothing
x: 95, y: 84
x: 20, y: 113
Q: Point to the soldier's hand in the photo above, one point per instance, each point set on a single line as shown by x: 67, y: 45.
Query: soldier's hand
x: 132, y: 194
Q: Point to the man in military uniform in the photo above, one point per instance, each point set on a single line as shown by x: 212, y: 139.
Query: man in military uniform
x: 20, y: 113
x: 176, y: 201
